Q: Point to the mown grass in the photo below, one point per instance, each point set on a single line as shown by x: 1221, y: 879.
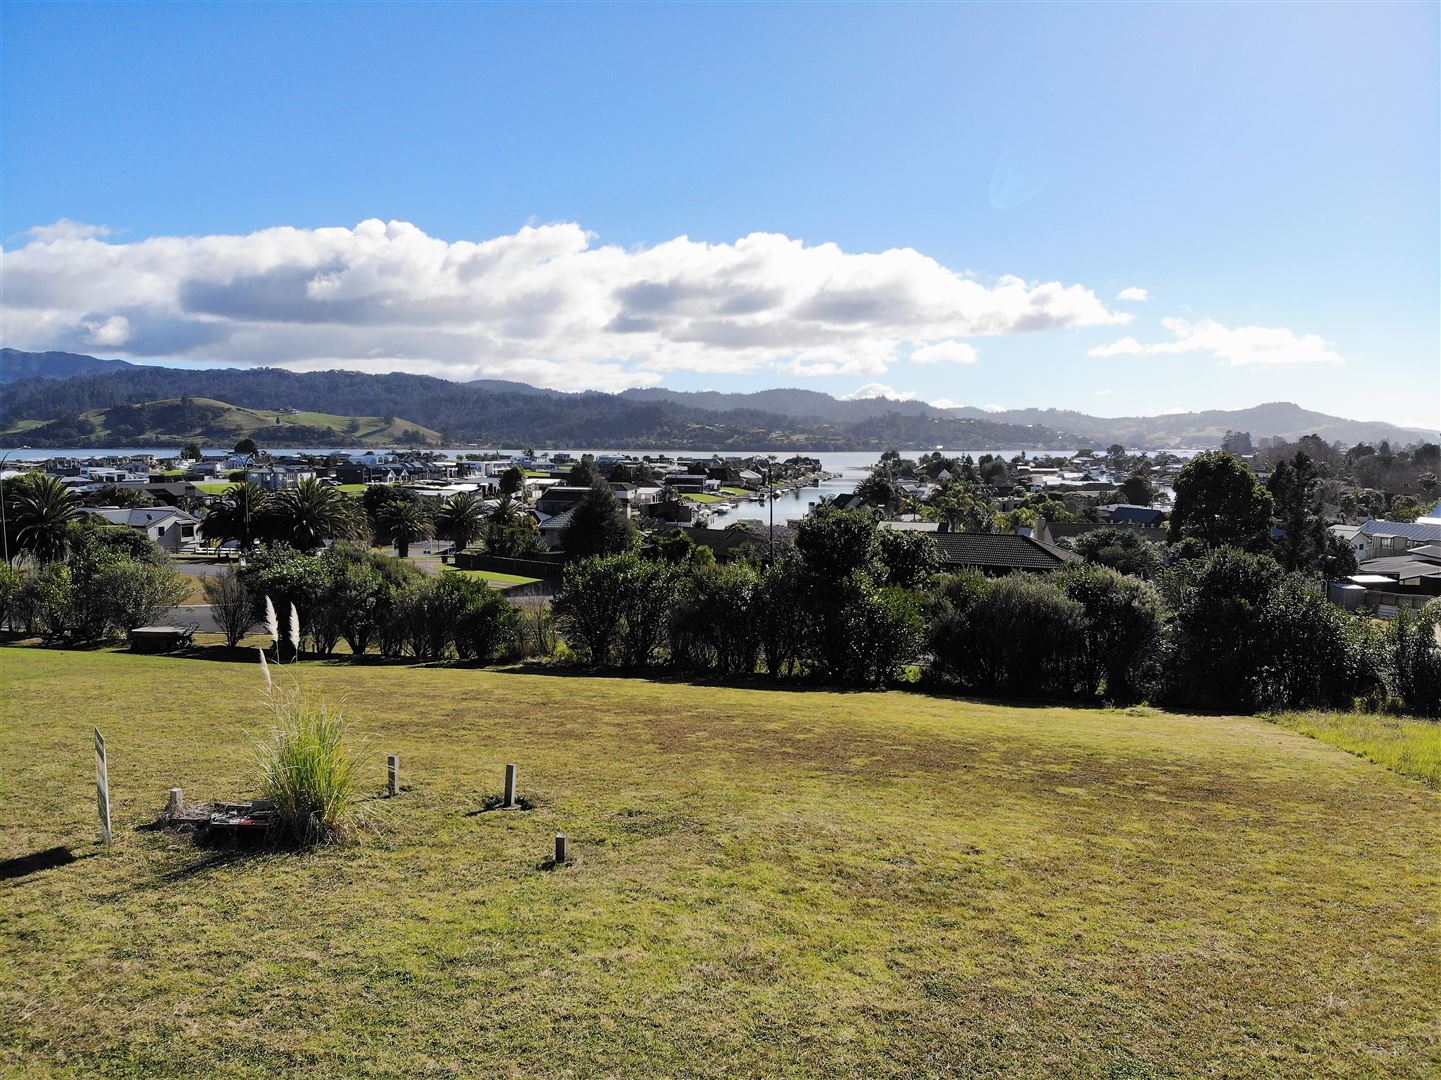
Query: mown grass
x: 1408, y: 746
x: 495, y: 577
x: 768, y: 883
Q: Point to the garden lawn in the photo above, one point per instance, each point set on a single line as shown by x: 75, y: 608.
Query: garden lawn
x: 767, y: 883
x: 495, y: 577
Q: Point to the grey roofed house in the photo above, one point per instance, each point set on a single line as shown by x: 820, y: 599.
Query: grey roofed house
x: 1392, y: 537
x: 999, y: 553
x: 552, y: 527
x: 167, y: 526
x: 560, y: 497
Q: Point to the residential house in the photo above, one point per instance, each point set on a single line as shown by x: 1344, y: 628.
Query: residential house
x: 1131, y: 514
x: 995, y: 554
x: 1383, y: 538
x: 172, y: 529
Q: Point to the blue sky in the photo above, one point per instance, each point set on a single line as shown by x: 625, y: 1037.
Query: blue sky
x: 1267, y: 174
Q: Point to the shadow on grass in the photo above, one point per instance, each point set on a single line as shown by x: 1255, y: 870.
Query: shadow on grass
x: 36, y: 861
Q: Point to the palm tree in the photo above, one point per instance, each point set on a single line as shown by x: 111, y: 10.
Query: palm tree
x: 309, y: 513
x: 460, y: 520
x: 405, y: 522
x: 237, y: 516
x: 41, y: 510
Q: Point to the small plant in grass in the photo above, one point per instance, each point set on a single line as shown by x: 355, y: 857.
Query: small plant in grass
x: 310, y: 769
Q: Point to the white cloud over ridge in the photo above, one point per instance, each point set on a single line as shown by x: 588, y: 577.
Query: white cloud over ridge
x: 1242, y: 346
x: 878, y: 390
x: 1135, y: 292
x: 545, y: 304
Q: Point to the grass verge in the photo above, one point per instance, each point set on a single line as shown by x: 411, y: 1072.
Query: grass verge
x: 1408, y: 746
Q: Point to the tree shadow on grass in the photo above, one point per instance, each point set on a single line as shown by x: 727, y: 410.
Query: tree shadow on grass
x: 37, y: 861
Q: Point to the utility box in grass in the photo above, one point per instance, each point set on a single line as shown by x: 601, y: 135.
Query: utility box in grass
x: 160, y: 639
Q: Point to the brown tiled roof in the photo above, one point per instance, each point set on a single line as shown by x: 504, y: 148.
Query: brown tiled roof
x: 999, y: 551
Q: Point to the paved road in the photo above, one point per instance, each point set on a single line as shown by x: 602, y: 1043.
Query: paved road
x: 198, y: 615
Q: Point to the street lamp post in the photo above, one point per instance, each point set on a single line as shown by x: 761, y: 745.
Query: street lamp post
x: 771, y: 499
x: 4, y: 528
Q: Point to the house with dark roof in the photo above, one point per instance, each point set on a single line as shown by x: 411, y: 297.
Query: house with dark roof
x: 1131, y: 514
x: 994, y: 554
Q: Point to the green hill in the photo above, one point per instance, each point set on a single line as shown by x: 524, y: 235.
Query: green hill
x: 175, y: 421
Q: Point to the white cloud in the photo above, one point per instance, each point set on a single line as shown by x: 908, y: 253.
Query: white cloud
x: 944, y: 352
x: 1135, y: 292
x: 993, y: 408
x: 65, y: 229
x: 1127, y: 346
x: 942, y: 403
x: 545, y: 303
x: 878, y: 390
x: 1242, y: 346
x: 114, y: 331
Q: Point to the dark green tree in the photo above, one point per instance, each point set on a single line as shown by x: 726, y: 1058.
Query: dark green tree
x: 512, y: 481
x: 598, y: 526
x: 1221, y: 503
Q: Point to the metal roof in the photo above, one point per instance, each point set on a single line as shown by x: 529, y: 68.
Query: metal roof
x: 1376, y: 527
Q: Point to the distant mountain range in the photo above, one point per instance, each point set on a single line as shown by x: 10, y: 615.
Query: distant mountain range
x: 16, y: 365
x: 1277, y: 418
x: 51, y: 399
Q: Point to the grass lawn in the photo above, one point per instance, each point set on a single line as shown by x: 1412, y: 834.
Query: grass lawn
x: 214, y: 487
x: 702, y: 497
x: 768, y: 883
x: 495, y: 577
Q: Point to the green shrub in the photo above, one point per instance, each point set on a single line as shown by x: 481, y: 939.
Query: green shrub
x: 1415, y: 659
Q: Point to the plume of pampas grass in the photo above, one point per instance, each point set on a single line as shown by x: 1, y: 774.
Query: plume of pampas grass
x: 295, y: 629
x: 265, y: 670
x: 272, y: 624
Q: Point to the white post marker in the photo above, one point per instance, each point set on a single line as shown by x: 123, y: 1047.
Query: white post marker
x: 177, y: 801
x: 509, y: 803
x: 102, y: 788
x: 562, y: 849
x: 392, y: 771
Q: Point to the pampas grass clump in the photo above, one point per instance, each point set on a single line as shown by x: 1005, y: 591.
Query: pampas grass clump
x: 309, y: 769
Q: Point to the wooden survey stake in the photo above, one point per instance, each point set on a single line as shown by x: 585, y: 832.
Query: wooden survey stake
x: 102, y: 788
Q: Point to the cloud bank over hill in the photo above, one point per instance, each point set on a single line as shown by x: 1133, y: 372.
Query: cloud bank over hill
x: 546, y: 305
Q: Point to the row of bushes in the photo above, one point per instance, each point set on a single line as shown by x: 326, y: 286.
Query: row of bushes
x: 349, y: 593
x: 1228, y: 631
